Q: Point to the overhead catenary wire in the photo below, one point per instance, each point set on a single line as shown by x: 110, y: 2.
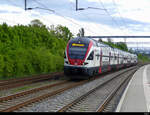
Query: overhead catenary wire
x: 13, y: 3
x: 57, y: 13
x: 117, y: 25
x: 12, y: 21
x: 97, y: 25
x: 86, y: 18
x: 69, y: 19
x: 123, y: 22
x: 90, y: 20
x: 122, y: 19
x: 72, y: 21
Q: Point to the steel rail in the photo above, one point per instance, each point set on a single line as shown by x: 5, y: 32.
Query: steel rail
x: 24, y: 81
x: 112, y: 94
x: 6, y: 82
x: 10, y: 97
x: 12, y: 108
x: 29, y: 101
x: 63, y: 109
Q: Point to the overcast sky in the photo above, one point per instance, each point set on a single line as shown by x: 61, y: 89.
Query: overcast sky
x: 114, y: 17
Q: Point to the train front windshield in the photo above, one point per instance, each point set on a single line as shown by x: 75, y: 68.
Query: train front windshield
x: 77, y: 51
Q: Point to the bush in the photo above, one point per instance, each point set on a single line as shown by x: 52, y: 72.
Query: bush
x: 31, y: 49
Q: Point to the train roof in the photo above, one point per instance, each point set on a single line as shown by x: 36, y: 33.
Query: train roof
x: 101, y: 44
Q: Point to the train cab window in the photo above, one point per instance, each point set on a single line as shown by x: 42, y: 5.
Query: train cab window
x: 77, y: 50
x: 91, y: 56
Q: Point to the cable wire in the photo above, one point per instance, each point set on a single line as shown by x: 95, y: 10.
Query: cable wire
x: 101, y: 3
x: 62, y: 16
x: 87, y: 18
x: 123, y: 21
x: 90, y: 20
x: 13, y: 3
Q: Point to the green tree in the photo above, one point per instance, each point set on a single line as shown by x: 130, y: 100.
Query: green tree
x: 32, y: 49
x: 122, y: 46
x: 100, y: 40
x: 63, y: 32
x: 37, y: 22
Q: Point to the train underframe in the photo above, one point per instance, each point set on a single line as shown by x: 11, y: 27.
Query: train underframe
x: 87, y: 72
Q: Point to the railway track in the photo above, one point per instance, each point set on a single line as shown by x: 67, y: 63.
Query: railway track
x: 16, y: 101
x: 8, y: 107
x: 111, y: 102
x: 22, y: 99
x: 13, y: 83
x: 97, y: 99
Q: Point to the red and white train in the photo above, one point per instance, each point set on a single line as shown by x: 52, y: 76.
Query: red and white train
x: 88, y: 57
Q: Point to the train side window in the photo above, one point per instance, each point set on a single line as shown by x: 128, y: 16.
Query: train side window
x: 91, y: 56
x: 98, y: 57
x: 97, y: 44
x: 94, y: 44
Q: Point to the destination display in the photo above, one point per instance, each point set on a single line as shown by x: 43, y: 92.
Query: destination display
x: 74, y: 44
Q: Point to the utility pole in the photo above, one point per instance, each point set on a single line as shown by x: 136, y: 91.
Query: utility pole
x: 87, y: 7
x: 76, y: 5
x: 25, y: 3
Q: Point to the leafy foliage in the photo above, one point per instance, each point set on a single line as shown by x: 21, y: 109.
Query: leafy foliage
x: 35, y: 49
x: 123, y: 46
x: 31, y: 49
x: 119, y: 45
x: 143, y: 58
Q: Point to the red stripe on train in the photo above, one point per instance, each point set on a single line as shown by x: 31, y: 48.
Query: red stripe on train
x: 100, y: 68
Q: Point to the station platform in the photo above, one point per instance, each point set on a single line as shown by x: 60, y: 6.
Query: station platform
x: 136, y: 97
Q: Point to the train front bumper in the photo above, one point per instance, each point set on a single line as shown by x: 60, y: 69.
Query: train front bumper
x: 76, y: 70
